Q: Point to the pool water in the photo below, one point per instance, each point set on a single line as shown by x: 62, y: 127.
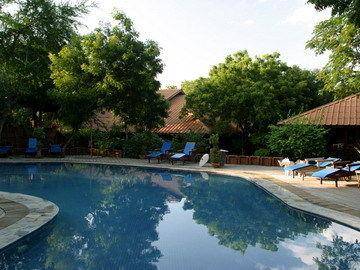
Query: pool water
x: 115, y: 217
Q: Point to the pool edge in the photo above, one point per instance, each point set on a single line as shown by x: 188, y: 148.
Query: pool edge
x: 39, y: 214
x: 289, y: 198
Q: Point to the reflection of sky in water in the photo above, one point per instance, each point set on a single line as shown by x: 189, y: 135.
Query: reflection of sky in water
x: 114, y: 217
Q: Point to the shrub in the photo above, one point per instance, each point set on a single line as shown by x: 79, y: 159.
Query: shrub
x: 262, y: 152
x: 215, y: 154
x: 200, y: 140
x: 39, y: 133
x: 140, y: 143
x: 298, y: 141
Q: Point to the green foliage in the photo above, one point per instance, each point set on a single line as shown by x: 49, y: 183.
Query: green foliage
x: 215, y: 155
x: 39, y: 133
x: 339, y: 255
x: 110, y: 69
x: 298, y: 141
x: 349, y: 8
x: 262, y: 152
x: 140, y: 143
x: 227, y: 208
x: 342, y: 39
x: 214, y: 140
x: 249, y: 94
x: 181, y: 139
x: 29, y: 31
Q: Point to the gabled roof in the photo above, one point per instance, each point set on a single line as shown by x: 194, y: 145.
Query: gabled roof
x: 175, y: 122
x: 344, y: 112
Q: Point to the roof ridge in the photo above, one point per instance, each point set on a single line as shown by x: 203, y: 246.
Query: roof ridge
x: 321, y: 107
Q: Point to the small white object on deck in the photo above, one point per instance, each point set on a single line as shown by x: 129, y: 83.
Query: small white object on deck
x: 204, y: 159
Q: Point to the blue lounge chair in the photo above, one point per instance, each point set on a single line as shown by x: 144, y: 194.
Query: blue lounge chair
x: 294, y: 168
x: 327, y: 162
x: 159, y: 154
x: 5, y: 151
x: 336, y: 174
x: 55, y: 150
x: 186, y: 153
x: 32, y: 148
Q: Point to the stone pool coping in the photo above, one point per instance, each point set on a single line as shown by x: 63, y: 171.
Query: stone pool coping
x: 293, y: 196
x: 23, y: 215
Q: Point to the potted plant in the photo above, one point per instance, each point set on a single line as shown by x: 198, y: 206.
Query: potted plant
x: 215, y: 154
x: 40, y: 134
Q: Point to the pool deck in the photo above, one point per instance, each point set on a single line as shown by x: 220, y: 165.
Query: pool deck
x: 340, y: 204
x: 21, y: 215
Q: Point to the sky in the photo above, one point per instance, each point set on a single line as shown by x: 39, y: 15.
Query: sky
x: 195, y: 35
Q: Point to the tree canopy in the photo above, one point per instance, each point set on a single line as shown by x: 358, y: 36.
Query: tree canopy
x: 110, y: 69
x: 28, y: 33
x: 350, y: 8
x: 252, y: 93
x: 341, y: 38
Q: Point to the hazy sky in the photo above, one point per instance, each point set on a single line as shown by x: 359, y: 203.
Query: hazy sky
x: 196, y: 34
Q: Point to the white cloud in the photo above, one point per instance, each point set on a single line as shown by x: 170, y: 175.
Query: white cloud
x: 248, y: 22
x: 306, y: 15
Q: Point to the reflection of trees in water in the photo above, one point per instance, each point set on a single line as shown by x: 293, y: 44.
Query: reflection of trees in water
x: 340, y: 255
x: 239, y: 215
x: 115, y: 233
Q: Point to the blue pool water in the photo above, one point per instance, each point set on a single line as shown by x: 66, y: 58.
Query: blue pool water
x: 131, y: 218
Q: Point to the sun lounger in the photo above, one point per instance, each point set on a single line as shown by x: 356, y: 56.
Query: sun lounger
x: 295, y: 168
x: 185, y: 154
x: 159, y: 154
x: 5, y: 151
x: 56, y: 150
x: 32, y: 148
x: 334, y: 174
x: 320, y: 164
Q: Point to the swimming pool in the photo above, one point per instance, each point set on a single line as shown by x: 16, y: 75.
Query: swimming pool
x: 114, y: 217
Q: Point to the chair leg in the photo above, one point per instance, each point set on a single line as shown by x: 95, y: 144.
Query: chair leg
x: 336, y: 183
x: 321, y: 180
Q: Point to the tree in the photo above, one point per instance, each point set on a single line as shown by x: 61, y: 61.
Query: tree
x: 232, y: 220
x: 250, y: 94
x: 350, y: 8
x: 339, y: 255
x: 110, y: 69
x: 27, y: 35
x: 341, y: 38
x: 7, y: 96
x: 297, y: 140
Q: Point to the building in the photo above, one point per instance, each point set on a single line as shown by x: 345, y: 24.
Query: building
x: 342, y: 118
x: 175, y: 123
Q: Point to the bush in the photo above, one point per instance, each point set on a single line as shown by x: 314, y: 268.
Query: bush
x: 262, y: 152
x: 298, y: 141
x: 140, y: 143
x: 200, y: 140
x: 39, y: 133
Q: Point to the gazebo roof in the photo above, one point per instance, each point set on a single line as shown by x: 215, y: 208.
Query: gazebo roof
x: 344, y: 112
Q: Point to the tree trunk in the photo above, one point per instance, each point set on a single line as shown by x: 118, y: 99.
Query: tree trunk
x: 2, y: 123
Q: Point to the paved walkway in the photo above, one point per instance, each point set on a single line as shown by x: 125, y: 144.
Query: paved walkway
x: 342, y: 203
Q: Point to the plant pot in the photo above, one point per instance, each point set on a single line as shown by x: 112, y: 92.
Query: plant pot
x: 216, y: 165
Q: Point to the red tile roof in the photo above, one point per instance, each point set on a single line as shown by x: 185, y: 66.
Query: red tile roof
x: 344, y: 112
x: 175, y: 123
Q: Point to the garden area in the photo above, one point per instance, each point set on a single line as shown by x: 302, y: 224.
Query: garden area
x: 55, y: 83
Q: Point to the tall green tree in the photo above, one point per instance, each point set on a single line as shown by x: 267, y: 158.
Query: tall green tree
x: 29, y: 31
x: 111, y: 69
x: 7, y: 96
x: 350, y: 8
x: 251, y: 93
x: 341, y: 39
